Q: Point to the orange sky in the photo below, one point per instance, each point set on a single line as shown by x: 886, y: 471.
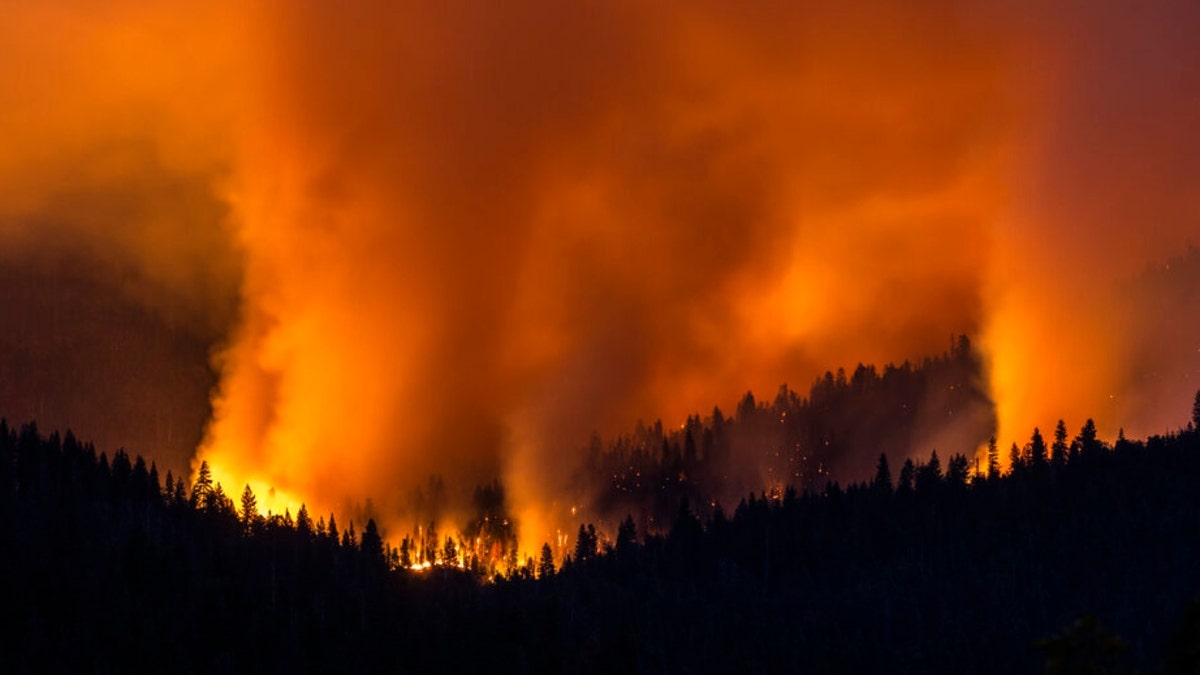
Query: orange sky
x: 455, y: 238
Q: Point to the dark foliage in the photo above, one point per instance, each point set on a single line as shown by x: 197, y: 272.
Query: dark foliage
x: 836, y: 432
x: 107, y: 570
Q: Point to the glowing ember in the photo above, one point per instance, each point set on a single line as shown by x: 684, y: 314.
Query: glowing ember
x: 460, y: 237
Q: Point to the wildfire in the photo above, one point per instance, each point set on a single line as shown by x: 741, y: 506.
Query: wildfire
x: 452, y: 240
x: 269, y: 500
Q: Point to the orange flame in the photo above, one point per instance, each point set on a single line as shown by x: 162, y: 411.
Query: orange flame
x: 469, y: 234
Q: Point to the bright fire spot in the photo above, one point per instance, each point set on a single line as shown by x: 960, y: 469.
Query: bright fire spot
x: 558, y: 217
x: 268, y: 499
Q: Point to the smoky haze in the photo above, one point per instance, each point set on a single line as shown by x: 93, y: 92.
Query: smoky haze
x: 119, y: 271
x: 453, y: 240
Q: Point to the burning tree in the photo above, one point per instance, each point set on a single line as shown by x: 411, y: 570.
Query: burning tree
x: 492, y: 535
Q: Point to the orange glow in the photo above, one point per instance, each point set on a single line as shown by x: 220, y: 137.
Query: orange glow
x: 460, y: 237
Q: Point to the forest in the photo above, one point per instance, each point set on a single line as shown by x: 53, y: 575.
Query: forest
x: 835, y: 431
x: 1081, y: 558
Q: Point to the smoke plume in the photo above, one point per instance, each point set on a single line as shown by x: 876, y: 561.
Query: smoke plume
x: 453, y: 239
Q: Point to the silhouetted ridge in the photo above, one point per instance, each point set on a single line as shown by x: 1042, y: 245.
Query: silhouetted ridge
x: 1082, y: 554
x: 836, y: 432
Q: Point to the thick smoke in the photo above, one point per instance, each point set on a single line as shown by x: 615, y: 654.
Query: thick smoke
x: 1102, y: 186
x: 117, y: 269
x: 459, y: 237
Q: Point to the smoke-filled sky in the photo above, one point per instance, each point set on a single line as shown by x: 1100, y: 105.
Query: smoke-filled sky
x: 454, y: 238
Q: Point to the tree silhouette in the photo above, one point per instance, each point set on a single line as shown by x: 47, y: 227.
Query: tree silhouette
x: 203, y: 486
x: 883, y: 476
x: 929, y: 475
x: 372, y: 544
x: 179, y: 494
x: 249, y: 508
x: 958, y: 471
x: 1058, y: 450
x: 1089, y: 445
x: 585, y: 543
x: 406, y: 552
x: 102, y: 577
x: 1016, y: 462
x: 907, y: 476
x: 546, y: 562
x: 1037, y: 451
x: 993, y: 459
x: 304, y: 525
x: 220, y: 504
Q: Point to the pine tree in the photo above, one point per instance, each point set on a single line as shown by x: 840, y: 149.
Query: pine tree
x: 333, y: 529
x: 406, y: 549
x: 993, y: 459
x: 883, y: 476
x: 958, y: 470
x: 585, y: 543
x: 1037, y: 450
x: 155, y: 484
x: 907, y: 475
x: 372, y: 544
x: 929, y: 476
x: 180, y: 493
x: 1196, y: 411
x: 1058, y: 450
x: 249, y: 509
x: 1122, y: 442
x: 1088, y: 443
x: 689, y: 450
x: 218, y: 503
x: 429, y: 542
x: 304, y: 523
x: 1016, y: 463
x: 203, y: 486
x: 546, y: 564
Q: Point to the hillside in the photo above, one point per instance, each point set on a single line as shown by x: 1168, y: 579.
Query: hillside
x: 107, y: 569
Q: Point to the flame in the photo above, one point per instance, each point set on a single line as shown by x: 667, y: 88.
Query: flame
x: 459, y: 238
